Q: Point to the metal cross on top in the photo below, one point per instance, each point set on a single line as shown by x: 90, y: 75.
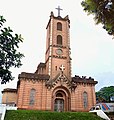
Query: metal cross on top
x: 62, y: 68
x: 59, y: 10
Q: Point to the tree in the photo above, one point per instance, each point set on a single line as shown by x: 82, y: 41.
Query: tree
x: 105, y: 94
x: 103, y: 11
x: 9, y: 56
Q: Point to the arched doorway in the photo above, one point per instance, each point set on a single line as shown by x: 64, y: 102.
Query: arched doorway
x: 61, y: 100
x: 59, y: 105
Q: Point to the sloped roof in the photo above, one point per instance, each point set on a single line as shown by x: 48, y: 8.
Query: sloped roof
x: 34, y: 76
x: 83, y: 79
x: 41, y: 65
x: 9, y: 90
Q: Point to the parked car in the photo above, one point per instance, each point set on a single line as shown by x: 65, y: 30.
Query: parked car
x: 106, y: 107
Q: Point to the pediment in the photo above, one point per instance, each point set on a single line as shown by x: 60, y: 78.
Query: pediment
x: 62, y: 79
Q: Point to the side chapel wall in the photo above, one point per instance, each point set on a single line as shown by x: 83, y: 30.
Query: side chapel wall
x: 77, y: 103
x: 42, y: 95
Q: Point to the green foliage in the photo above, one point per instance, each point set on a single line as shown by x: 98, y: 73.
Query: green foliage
x: 102, y: 11
x: 9, y: 56
x: 44, y: 115
x: 105, y: 93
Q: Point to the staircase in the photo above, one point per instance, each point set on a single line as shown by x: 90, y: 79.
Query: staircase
x: 101, y: 114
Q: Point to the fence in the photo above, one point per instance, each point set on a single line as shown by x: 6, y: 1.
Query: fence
x: 3, y: 108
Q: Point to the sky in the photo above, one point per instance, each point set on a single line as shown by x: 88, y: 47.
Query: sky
x: 91, y: 47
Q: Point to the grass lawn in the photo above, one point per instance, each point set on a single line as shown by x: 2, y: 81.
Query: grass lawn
x: 45, y: 115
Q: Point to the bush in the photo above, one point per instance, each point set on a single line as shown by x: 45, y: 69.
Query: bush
x: 45, y: 115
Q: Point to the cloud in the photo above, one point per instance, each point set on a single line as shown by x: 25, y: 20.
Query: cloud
x: 105, y: 79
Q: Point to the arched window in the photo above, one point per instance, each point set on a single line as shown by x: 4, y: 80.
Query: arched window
x: 59, y: 95
x: 59, y: 26
x: 85, y: 99
x: 32, y: 96
x: 59, y: 40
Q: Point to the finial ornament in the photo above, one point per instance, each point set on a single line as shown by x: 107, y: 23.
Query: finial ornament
x: 59, y: 9
x: 62, y: 68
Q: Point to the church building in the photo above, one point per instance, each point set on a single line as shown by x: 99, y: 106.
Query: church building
x: 51, y: 87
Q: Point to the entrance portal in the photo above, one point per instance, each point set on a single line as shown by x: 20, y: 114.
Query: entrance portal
x: 59, y: 105
x: 61, y: 99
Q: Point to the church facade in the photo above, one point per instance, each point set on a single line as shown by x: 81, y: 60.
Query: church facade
x: 51, y: 87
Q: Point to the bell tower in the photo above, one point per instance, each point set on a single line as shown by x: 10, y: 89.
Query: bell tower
x: 57, y: 56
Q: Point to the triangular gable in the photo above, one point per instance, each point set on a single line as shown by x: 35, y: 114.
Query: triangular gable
x: 60, y: 77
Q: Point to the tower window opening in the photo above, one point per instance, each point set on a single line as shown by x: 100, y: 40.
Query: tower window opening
x: 59, y: 26
x: 59, y: 40
x: 56, y: 68
x: 48, y: 41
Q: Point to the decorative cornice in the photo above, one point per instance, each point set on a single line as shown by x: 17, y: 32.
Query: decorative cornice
x: 59, y: 56
x: 66, y: 18
x: 60, y: 46
x: 9, y: 90
x: 83, y: 79
x: 33, y: 76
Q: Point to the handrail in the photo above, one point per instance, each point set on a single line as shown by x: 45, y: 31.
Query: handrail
x: 2, y: 110
x: 101, y: 114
